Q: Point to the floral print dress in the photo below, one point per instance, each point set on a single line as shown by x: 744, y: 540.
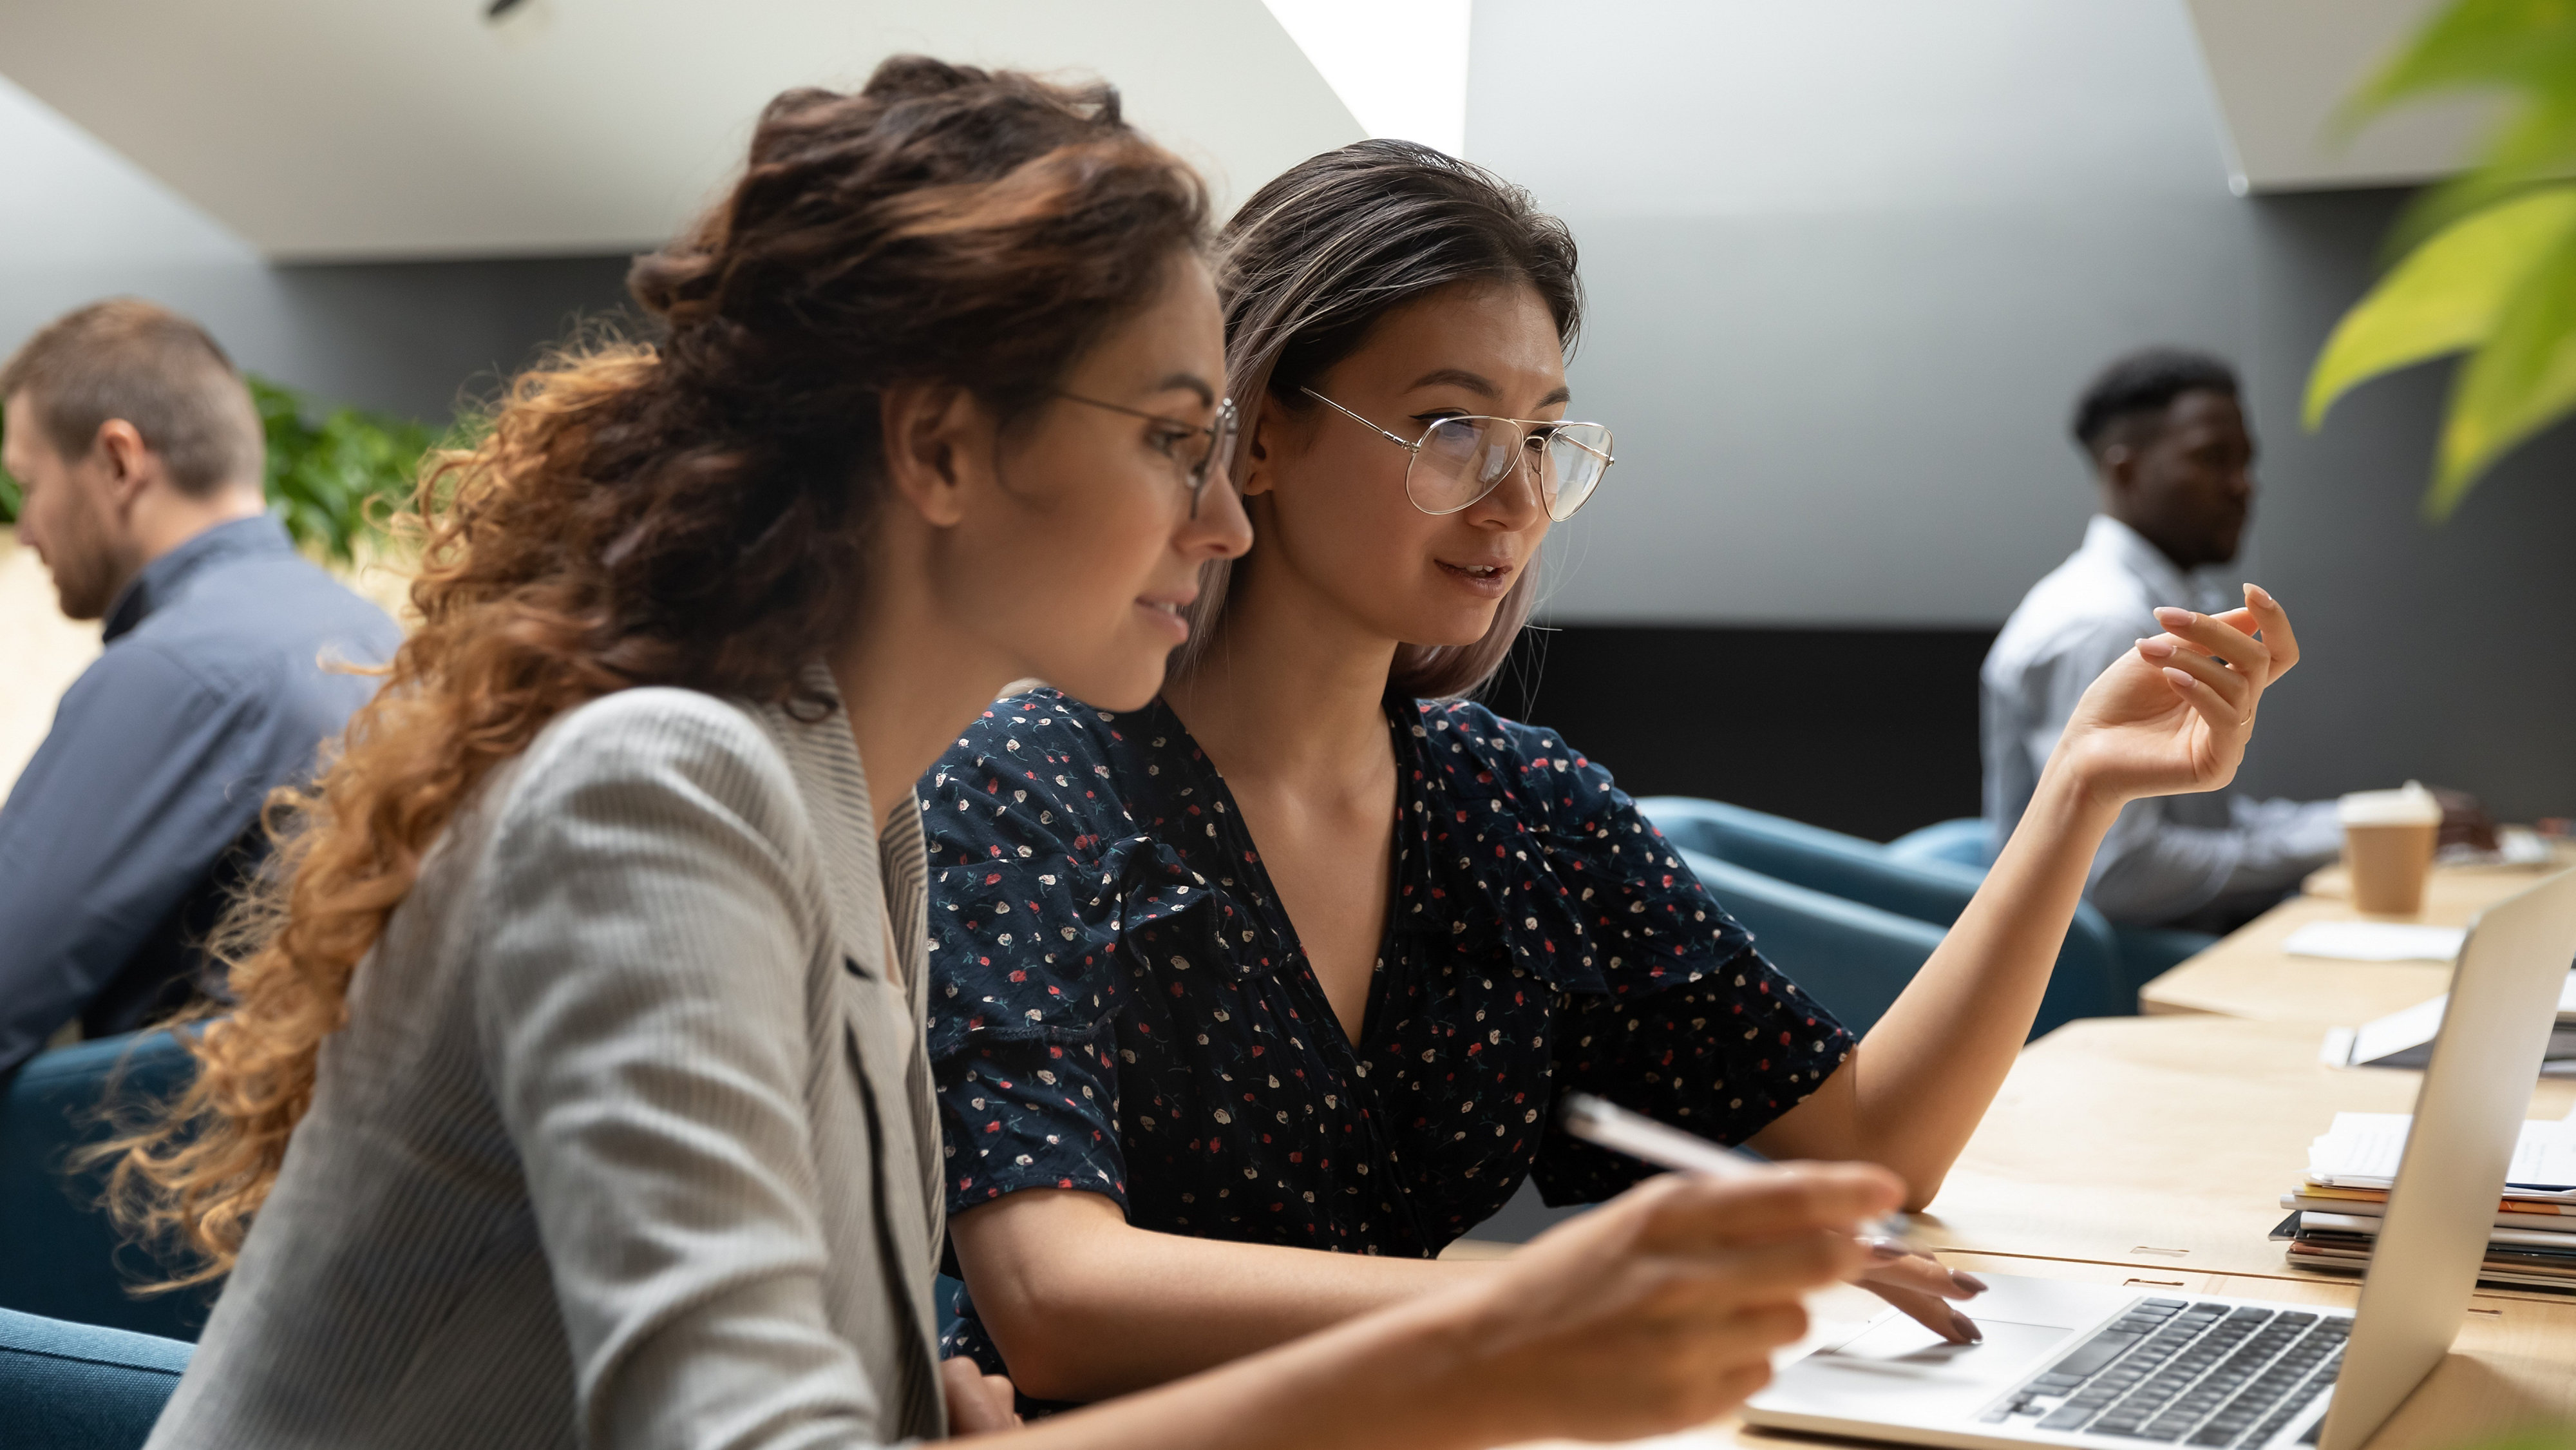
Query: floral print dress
x: 1120, y: 1005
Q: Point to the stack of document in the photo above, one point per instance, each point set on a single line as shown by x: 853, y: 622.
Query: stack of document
x: 2337, y: 1209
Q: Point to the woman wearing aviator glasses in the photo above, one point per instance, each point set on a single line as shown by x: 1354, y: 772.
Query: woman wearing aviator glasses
x: 1298, y: 957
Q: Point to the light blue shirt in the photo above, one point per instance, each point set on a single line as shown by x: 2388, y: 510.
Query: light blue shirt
x: 2168, y: 857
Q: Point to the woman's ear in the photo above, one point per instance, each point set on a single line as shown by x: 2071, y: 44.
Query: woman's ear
x: 1262, y: 446
x: 938, y: 445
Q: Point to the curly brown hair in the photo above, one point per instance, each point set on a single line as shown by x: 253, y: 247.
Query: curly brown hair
x: 692, y: 513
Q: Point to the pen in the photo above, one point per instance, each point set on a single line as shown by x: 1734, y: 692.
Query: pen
x: 1640, y: 1137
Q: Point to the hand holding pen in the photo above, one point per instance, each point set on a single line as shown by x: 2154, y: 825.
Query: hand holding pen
x: 1914, y: 1282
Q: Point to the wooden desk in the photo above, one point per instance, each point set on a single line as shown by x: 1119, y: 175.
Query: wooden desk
x: 2154, y: 1150
x: 2509, y: 1369
x: 2248, y: 975
x: 2160, y: 1142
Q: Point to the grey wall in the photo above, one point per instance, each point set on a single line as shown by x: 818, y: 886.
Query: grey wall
x: 78, y: 222
x: 1849, y: 261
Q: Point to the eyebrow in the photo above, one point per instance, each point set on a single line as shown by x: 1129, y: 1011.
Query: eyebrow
x: 1480, y: 384
x: 1188, y: 382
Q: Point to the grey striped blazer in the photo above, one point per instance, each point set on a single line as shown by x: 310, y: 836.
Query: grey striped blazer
x: 629, y: 1139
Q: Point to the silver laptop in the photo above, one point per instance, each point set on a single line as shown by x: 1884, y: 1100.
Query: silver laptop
x: 2085, y: 1364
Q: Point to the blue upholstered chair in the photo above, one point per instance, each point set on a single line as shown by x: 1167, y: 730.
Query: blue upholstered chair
x: 944, y: 1290
x: 1852, y: 958
x: 60, y: 1257
x: 81, y: 1387
x: 1961, y: 842
x: 2088, y: 980
x: 2146, y: 952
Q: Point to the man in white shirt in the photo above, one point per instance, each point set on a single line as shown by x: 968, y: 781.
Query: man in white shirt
x: 2174, y: 462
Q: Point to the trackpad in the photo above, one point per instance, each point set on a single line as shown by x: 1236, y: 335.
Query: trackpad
x: 1899, y: 1363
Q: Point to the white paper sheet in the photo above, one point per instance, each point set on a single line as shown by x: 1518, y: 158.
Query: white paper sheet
x: 2376, y: 941
x: 2362, y: 1150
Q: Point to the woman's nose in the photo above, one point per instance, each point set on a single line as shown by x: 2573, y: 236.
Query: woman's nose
x: 1220, y: 529
x: 1518, y: 495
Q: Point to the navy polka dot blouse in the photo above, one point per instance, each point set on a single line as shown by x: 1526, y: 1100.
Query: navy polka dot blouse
x: 1119, y: 1005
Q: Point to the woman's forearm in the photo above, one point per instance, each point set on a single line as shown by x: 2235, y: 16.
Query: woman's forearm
x: 1913, y: 1092
x: 1084, y: 1306
x: 1386, y: 1380
x: 1658, y: 1310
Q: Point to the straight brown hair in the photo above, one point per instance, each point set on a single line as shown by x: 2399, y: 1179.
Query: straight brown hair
x: 1307, y: 268
x: 133, y: 360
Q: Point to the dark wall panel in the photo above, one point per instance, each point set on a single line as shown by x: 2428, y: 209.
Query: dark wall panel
x: 1871, y: 731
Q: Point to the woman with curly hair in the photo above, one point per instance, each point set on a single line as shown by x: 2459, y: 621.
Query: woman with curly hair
x: 575, y: 1090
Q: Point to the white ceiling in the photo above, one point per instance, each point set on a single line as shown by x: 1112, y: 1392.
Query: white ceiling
x: 2282, y: 69
x: 331, y: 130
x: 1402, y: 69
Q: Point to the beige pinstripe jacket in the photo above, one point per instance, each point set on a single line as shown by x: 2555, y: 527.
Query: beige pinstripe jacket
x: 629, y: 1139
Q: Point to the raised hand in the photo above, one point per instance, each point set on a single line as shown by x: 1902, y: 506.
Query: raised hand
x: 2174, y: 714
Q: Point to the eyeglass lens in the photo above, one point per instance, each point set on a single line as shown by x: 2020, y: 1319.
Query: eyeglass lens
x: 1463, y: 459
x: 1218, y: 442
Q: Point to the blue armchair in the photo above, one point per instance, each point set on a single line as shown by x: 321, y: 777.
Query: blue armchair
x: 1962, y: 842
x: 2146, y: 952
x: 2088, y: 980
x: 1852, y: 958
x: 63, y: 1258
x: 80, y: 1387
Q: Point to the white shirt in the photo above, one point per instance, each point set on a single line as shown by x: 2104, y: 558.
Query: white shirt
x: 2167, y: 857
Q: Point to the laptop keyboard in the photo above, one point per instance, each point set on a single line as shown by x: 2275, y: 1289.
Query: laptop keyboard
x: 2186, y: 1374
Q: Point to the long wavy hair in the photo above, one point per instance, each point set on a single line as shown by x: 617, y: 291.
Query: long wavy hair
x: 690, y: 513
x: 1307, y: 268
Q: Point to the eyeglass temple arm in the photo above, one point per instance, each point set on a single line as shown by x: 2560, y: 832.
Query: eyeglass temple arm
x: 1363, y: 422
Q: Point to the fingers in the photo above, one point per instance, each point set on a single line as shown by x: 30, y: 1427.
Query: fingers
x: 1930, y: 1312
x: 2248, y: 655
x: 2275, y: 624
x: 1724, y: 1278
x: 2223, y: 714
x: 2237, y: 687
x: 1921, y: 1274
x: 1694, y: 1212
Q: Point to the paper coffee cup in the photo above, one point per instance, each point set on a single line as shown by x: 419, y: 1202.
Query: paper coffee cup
x: 2388, y: 839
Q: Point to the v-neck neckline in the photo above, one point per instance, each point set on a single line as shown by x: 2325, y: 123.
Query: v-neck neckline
x: 1266, y: 891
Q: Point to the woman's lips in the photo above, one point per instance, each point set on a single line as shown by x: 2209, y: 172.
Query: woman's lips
x: 1166, y: 614
x: 1490, y: 579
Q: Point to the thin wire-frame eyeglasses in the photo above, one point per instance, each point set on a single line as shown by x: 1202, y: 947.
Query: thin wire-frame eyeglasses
x: 1197, y: 471
x: 1460, y: 460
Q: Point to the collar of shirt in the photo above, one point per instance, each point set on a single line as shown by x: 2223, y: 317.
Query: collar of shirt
x: 1474, y: 867
x: 1476, y: 848
x: 161, y: 580
x: 2128, y: 550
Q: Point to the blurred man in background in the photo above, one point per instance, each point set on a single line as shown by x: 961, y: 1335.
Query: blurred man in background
x: 141, y: 460
x: 2175, y: 467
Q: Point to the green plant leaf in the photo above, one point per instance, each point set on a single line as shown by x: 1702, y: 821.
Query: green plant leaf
x: 12, y: 498
x: 331, y: 480
x: 2446, y: 296
x: 2520, y: 382
x: 2533, y: 149
x: 2473, y: 44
